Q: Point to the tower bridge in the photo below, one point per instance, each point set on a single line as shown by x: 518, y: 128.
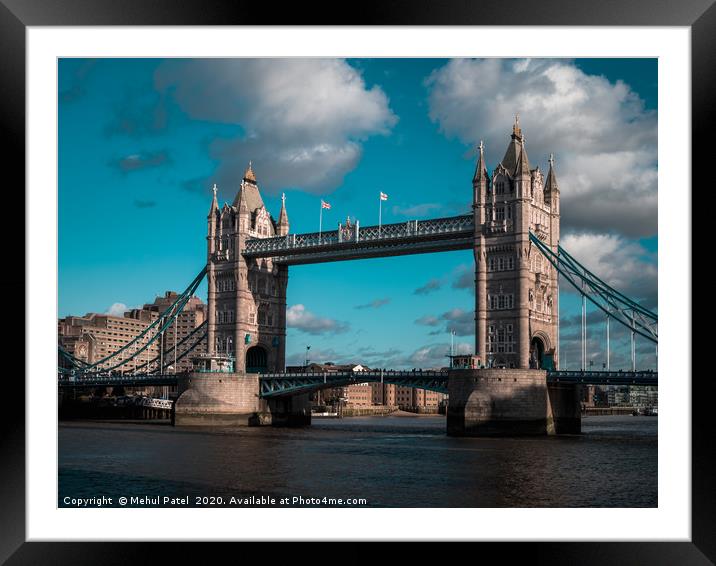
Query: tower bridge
x: 514, y: 232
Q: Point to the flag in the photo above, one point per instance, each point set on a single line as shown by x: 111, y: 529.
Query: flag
x: 324, y: 204
x: 383, y: 196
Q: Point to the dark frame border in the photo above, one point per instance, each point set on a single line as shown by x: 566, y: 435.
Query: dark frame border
x: 16, y: 15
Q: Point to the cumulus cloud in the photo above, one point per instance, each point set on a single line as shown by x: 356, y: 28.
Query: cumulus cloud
x: 625, y: 265
x: 300, y: 318
x: 429, y: 287
x: 374, y: 304
x: 604, y: 138
x: 302, y: 121
x: 117, y: 309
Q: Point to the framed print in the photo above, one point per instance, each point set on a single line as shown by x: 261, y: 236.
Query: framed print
x: 390, y: 279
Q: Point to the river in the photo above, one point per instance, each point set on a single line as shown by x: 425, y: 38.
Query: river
x: 379, y: 461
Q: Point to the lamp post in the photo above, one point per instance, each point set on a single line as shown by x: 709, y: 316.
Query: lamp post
x: 306, y: 364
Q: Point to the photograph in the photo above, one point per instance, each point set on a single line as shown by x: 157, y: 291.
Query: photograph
x: 394, y: 278
x: 357, y: 282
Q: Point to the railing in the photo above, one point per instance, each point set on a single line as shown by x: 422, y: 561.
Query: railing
x: 412, y: 229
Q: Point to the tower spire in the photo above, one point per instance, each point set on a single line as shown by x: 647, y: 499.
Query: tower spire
x: 551, y: 182
x: 249, y: 174
x: 283, y: 217
x: 214, y: 203
x: 480, y: 169
x: 516, y: 130
x: 523, y: 163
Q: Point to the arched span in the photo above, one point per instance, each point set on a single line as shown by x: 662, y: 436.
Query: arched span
x: 256, y: 360
x: 277, y: 385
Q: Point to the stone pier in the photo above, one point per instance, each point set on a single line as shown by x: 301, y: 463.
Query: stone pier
x: 232, y: 399
x: 488, y: 402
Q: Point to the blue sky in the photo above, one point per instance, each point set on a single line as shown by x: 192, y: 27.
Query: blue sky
x: 141, y: 141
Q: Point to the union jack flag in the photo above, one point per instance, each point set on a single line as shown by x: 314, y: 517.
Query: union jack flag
x: 383, y: 196
x: 324, y: 204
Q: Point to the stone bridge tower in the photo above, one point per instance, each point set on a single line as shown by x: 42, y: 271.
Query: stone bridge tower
x: 516, y: 288
x: 247, y: 297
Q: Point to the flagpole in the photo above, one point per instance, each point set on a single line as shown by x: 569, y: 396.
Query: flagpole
x: 320, y: 223
x: 380, y: 212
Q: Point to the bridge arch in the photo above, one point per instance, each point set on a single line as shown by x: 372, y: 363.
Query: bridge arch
x: 539, y: 345
x: 256, y: 359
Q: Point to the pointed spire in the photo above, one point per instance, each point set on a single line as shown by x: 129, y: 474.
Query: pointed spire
x: 248, y: 194
x: 480, y: 169
x: 516, y: 130
x: 214, y: 203
x: 523, y: 163
x: 283, y: 217
x: 512, y: 155
x: 551, y: 182
x: 249, y: 174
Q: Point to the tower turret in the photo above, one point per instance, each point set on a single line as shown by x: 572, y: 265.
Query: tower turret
x: 283, y: 218
x: 481, y: 179
x: 551, y: 187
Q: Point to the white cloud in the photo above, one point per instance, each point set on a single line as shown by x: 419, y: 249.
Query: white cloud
x: 297, y: 316
x: 626, y: 266
x: 302, y: 120
x: 604, y: 139
x: 117, y: 309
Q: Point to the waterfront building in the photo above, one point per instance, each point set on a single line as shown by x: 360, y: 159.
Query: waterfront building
x: 95, y: 336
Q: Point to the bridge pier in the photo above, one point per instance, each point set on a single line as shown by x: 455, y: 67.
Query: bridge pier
x: 492, y: 402
x: 232, y: 399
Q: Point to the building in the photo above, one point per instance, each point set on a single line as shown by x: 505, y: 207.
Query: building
x: 95, y: 336
x: 516, y: 299
x: 247, y: 297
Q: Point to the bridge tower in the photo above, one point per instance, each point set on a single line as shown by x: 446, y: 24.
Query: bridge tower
x: 516, y: 289
x: 247, y: 297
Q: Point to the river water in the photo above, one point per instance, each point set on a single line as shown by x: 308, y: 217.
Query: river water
x: 385, y: 461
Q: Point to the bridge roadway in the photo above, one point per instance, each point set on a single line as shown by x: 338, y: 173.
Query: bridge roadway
x: 278, y: 384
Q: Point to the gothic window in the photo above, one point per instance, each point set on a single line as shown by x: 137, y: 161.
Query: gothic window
x: 500, y: 213
x: 500, y: 188
x: 252, y: 317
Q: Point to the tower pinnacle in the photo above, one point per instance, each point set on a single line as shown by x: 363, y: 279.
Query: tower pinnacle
x: 249, y: 174
x: 480, y: 169
x: 283, y: 217
x: 214, y: 203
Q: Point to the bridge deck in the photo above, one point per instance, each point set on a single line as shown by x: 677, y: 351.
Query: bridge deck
x: 276, y: 384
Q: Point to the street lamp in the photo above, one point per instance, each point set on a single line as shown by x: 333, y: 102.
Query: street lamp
x: 306, y: 364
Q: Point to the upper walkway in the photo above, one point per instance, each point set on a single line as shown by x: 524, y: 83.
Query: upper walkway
x: 354, y: 241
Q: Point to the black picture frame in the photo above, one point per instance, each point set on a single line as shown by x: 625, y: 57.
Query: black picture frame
x: 17, y: 15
